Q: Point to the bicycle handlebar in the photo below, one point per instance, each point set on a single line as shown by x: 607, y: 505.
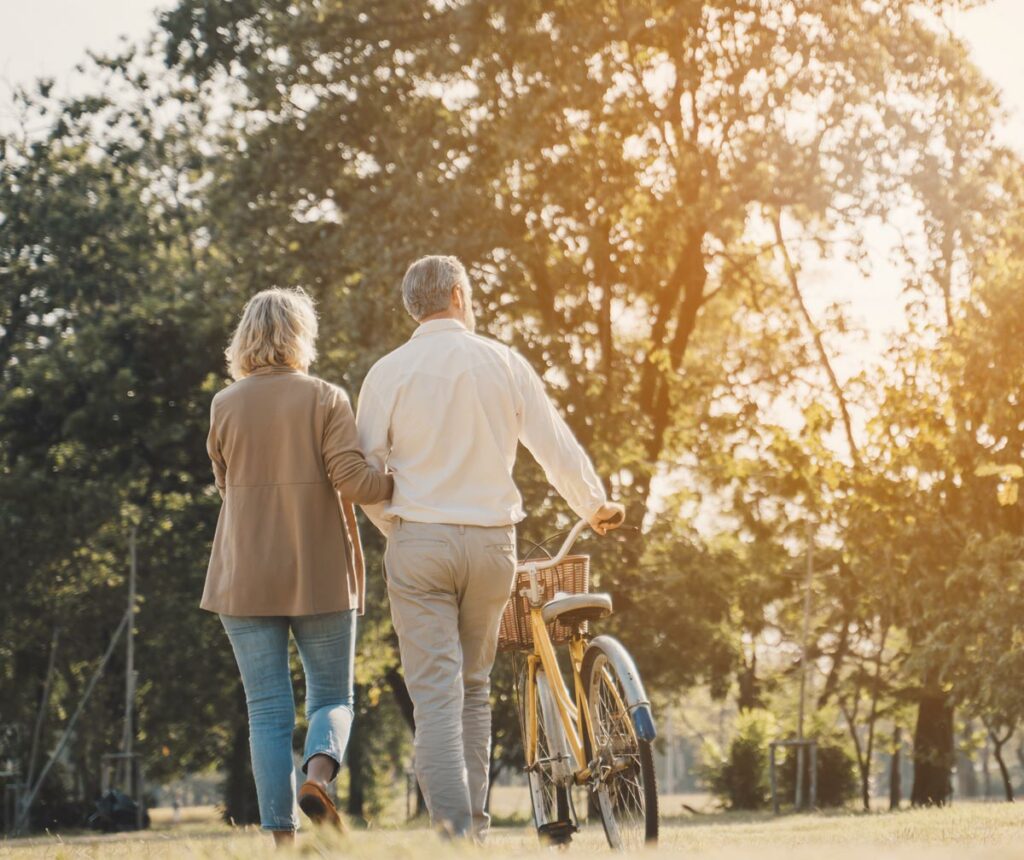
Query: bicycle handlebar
x: 563, y: 551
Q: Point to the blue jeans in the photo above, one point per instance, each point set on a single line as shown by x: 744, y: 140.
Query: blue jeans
x: 327, y: 648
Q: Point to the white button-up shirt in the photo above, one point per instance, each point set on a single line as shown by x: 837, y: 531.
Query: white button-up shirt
x: 444, y: 413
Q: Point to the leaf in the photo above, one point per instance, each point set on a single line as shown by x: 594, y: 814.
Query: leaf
x: 1008, y: 493
x: 987, y: 470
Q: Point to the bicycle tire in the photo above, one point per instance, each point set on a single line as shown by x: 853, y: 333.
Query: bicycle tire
x: 627, y: 793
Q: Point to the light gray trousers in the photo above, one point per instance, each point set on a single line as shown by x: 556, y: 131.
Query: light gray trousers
x: 448, y: 586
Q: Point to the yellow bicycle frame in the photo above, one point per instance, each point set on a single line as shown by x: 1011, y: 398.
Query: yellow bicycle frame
x: 574, y: 715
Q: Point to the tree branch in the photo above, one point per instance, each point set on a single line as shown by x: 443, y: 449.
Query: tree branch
x: 826, y: 363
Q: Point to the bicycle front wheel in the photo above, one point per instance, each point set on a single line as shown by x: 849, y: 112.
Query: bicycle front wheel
x: 550, y: 774
x: 625, y: 785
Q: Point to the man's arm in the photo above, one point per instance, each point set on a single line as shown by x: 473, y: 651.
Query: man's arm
x: 373, y: 423
x: 565, y: 463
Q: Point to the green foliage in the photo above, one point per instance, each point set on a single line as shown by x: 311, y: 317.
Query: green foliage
x: 741, y: 778
x: 837, y: 776
x: 607, y: 172
x: 110, y: 352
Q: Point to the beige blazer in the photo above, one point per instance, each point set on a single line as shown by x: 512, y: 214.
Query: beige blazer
x: 285, y: 455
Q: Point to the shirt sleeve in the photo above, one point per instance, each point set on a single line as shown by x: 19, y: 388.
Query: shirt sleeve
x: 347, y: 468
x: 373, y: 423
x: 546, y: 435
x: 220, y: 467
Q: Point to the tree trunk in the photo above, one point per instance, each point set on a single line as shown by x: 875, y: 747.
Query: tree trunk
x: 838, y: 658
x: 815, y: 333
x: 986, y: 772
x: 997, y: 751
x: 933, y: 750
x: 358, y: 767
x: 876, y: 692
x: 895, y: 771
x: 865, y: 785
x: 863, y: 761
x: 494, y: 769
x: 604, y: 271
x: 240, y: 803
x: 998, y: 742
x: 749, y: 695
x: 396, y: 681
x: 688, y: 280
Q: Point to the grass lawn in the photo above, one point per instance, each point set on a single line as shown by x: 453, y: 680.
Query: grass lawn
x: 966, y: 830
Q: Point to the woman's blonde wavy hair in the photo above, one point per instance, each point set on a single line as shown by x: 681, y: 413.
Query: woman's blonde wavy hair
x: 278, y: 328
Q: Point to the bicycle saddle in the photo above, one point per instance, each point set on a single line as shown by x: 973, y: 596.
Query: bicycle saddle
x: 574, y: 609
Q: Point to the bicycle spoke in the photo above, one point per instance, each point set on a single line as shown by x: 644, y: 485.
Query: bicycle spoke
x: 552, y: 806
x: 621, y: 792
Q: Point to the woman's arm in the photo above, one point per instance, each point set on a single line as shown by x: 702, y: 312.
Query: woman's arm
x: 347, y: 468
x: 220, y: 468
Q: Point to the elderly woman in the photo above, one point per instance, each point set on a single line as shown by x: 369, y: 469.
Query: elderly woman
x: 286, y: 556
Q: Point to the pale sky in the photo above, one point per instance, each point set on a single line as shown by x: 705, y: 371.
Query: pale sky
x: 49, y: 37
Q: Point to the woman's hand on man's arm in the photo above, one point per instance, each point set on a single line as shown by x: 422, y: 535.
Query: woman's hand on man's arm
x: 346, y: 466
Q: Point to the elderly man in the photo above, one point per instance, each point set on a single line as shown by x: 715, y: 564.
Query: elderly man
x: 444, y: 413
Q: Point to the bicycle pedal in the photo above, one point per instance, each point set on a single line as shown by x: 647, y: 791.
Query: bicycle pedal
x: 557, y: 832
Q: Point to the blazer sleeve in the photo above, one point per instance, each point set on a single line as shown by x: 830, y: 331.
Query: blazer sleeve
x: 346, y: 466
x: 220, y: 467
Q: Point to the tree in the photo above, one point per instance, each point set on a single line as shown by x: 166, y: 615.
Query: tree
x: 639, y: 188
x: 592, y: 163
x: 586, y: 158
x: 110, y: 352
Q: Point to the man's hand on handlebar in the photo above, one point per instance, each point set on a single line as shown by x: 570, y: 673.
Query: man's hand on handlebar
x: 608, y: 517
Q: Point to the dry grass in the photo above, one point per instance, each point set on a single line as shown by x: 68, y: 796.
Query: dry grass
x: 966, y: 831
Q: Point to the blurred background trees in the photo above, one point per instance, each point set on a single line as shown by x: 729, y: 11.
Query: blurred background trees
x: 641, y: 191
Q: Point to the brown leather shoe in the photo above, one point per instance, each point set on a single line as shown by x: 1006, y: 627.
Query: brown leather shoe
x: 321, y: 810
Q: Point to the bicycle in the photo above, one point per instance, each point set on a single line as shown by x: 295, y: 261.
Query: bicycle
x: 600, y: 736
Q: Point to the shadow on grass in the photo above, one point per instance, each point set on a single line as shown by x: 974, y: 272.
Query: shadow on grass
x: 723, y: 817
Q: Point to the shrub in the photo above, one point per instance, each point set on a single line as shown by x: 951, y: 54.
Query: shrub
x: 741, y: 779
x: 837, y: 777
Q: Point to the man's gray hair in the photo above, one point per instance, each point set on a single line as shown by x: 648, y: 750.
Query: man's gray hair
x: 427, y: 285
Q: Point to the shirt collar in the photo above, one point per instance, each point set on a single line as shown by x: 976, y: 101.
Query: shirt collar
x: 444, y: 324
x: 273, y: 368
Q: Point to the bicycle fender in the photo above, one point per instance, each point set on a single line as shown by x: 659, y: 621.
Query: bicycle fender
x: 637, y: 703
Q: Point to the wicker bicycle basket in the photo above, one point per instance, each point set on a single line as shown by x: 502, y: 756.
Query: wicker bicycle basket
x: 572, y: 576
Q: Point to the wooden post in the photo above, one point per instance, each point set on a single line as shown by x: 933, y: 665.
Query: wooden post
x: 44, y: 704
x: 798, y: 801
x: 772, y: 778
x: 813, y: 800
x: 129, y: 680
x: 800, y: 758
x: 140, y: 791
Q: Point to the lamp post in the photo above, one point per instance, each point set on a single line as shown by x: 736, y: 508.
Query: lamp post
x: 804, y: 668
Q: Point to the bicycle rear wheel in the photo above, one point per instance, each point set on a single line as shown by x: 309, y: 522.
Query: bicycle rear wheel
x: 625, y: 785
x: 551, y: 773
